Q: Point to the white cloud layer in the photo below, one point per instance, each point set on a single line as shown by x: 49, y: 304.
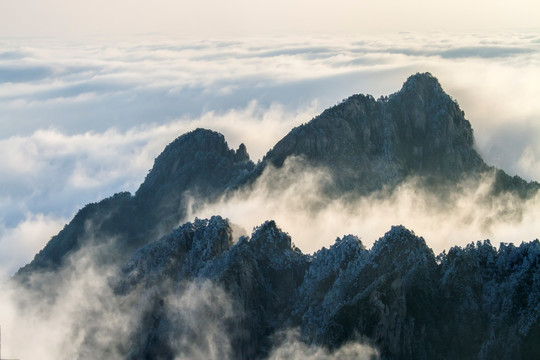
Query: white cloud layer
x: 81, y: 120
x: 19, y: 244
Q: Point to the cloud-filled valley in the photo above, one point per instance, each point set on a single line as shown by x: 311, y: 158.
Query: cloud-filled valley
x: 83, y: 120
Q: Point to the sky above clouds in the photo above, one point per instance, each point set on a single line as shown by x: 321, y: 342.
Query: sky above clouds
x: 91, y: 92
x: 243, y: 17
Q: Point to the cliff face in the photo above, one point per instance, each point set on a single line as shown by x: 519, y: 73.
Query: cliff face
x: 470, y: 303
x: 368, y: 143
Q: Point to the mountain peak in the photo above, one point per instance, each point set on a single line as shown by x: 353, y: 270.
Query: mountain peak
x: 269, y: 236
x: 198, y: 163
x: 197, y: 149
x: 241, y: 154
x: 368, y: 144
x: 422, y: 82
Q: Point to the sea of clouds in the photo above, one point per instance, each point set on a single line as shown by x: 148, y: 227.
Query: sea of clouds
x: 83, y: 119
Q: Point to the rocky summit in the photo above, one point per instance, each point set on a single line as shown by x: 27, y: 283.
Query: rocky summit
x: 368, y: 144
x: 195, y: 291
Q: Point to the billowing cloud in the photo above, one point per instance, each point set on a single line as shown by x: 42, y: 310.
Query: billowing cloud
x: 94, y: 86
x: 292, y: 197
x: 20, y: 243
x: 62, y: 320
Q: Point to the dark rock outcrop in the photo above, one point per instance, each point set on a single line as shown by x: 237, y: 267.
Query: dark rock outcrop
x: 199, y: 164
x: 260, y: 274
x: 472, y: 303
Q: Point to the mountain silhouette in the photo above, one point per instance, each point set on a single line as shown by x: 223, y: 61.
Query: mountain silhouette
x: 476, y: 302
x: 368, y: 144
x: 365, y: 144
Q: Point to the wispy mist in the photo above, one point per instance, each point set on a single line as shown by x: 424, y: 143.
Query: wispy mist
x: 69, y: 314
x: 76, y: 314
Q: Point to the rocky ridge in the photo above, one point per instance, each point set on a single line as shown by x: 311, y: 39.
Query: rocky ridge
x: 469, y: 304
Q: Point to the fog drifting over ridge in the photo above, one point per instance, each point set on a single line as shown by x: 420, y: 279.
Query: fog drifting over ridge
x: 78, y: 314
x: 81, y: 121
x: 292, y: 197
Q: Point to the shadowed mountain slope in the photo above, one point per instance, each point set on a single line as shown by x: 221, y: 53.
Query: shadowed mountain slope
x: 197, y: 165
x: 368, y: 144
x: 475, y: 302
